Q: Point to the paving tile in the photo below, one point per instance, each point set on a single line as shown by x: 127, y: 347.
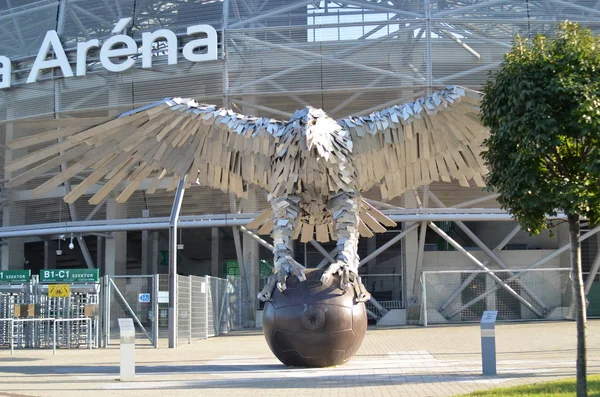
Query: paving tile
x: 407, y: 361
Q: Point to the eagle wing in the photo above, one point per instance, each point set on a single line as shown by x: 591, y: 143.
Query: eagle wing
x: 173, y: 138
x: 431, y: 139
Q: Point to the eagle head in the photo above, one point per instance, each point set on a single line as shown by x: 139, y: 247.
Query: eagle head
x: 319, y: 130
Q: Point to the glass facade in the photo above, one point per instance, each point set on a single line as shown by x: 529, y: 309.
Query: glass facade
x: 349, y: 57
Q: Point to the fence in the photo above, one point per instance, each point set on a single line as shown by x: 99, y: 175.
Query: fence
x: 206, y: 307
x: 133, y: 297
x: 462, y: 296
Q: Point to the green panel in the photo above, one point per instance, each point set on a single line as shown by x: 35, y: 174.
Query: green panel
x: 15, y: 276
x: 231, y: 268
x: 594, y: 298
x: 69, y: 276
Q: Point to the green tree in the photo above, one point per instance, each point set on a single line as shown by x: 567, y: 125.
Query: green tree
x: 543, y: 111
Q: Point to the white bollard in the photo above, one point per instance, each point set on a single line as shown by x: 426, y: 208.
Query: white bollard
x: 127, y: 333
x: 488, y: 342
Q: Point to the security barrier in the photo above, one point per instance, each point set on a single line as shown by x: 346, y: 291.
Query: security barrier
x: 36, y: 314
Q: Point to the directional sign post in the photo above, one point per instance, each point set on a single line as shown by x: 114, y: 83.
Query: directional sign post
x: 59, y: 290
x: 15, y: 276
x: 69, y: 276
x: 127, y: 368
x: 488, y: 342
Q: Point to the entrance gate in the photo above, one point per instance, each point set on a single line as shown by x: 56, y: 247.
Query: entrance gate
x: 134, y: 297
x: 30, y: 317
x: 206, y: 306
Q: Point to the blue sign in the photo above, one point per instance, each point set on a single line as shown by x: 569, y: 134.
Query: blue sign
x: 144, y: 298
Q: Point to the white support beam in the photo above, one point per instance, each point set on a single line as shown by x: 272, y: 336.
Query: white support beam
x: 275, y: 12
x: 263, y: 108
x: 256, y: 237
x: 381, y: 204
x: 328, y: 58
x: 576, y: 6
x: 486, y: 261
x: 230, y: 220
x: 462, y: 9
x: 497, y: 279
x: 355, y: 96
x: 387, y: 245
x: 477, y: 201
x: 95, y: 210
x: 340, y: 54
x: 545, y: 259
x: 326, y: 261
x: 491, y: 254
x: 323, y: 252
x: 593, y: 272
x: 369, y: 5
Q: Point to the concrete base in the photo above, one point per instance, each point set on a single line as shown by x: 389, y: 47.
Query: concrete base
x: 259, y: 317
x: 413, y: 314
x: 560, y: 313
x: 434, y: 317
x: 393, y: 317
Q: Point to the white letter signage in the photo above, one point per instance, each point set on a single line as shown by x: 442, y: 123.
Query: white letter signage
x: 149, y: 38
x: 118, y: 53
x: 4, y: 72
x: 51, y: 41
x: 210, y: 42
x: 128, y: 48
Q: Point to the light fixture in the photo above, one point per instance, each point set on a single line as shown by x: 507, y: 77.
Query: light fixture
x: 180, y: 245
x: 58, y: 250
x: 71, y: 245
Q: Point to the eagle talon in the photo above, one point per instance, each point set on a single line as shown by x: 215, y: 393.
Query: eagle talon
x: 267, y: 292
x: 284, y: 268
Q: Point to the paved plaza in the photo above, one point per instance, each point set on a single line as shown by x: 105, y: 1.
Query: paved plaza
x: 403, y: 361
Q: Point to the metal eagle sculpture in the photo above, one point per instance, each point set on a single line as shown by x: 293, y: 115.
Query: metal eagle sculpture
x: 313, y: 167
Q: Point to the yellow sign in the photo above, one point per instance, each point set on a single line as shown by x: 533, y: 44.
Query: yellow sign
x: 59, y: 290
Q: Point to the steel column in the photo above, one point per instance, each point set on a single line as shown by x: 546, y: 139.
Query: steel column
x: 422, y: 234
x: 173, y: 262
x: 428, y: 57
x: 155, y: 310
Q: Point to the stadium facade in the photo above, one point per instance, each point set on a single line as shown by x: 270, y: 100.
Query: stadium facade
x: 78, y: 61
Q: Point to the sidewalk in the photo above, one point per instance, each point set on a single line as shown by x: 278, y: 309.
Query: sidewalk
x: 416, y: 361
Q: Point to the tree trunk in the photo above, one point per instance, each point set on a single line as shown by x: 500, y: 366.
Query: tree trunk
x: 579, y: 297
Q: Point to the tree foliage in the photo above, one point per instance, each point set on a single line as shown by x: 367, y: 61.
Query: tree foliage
x: 543, y: 111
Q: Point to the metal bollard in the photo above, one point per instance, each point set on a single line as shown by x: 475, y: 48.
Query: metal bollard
x: 127, y: 334
x: 488, y: 342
